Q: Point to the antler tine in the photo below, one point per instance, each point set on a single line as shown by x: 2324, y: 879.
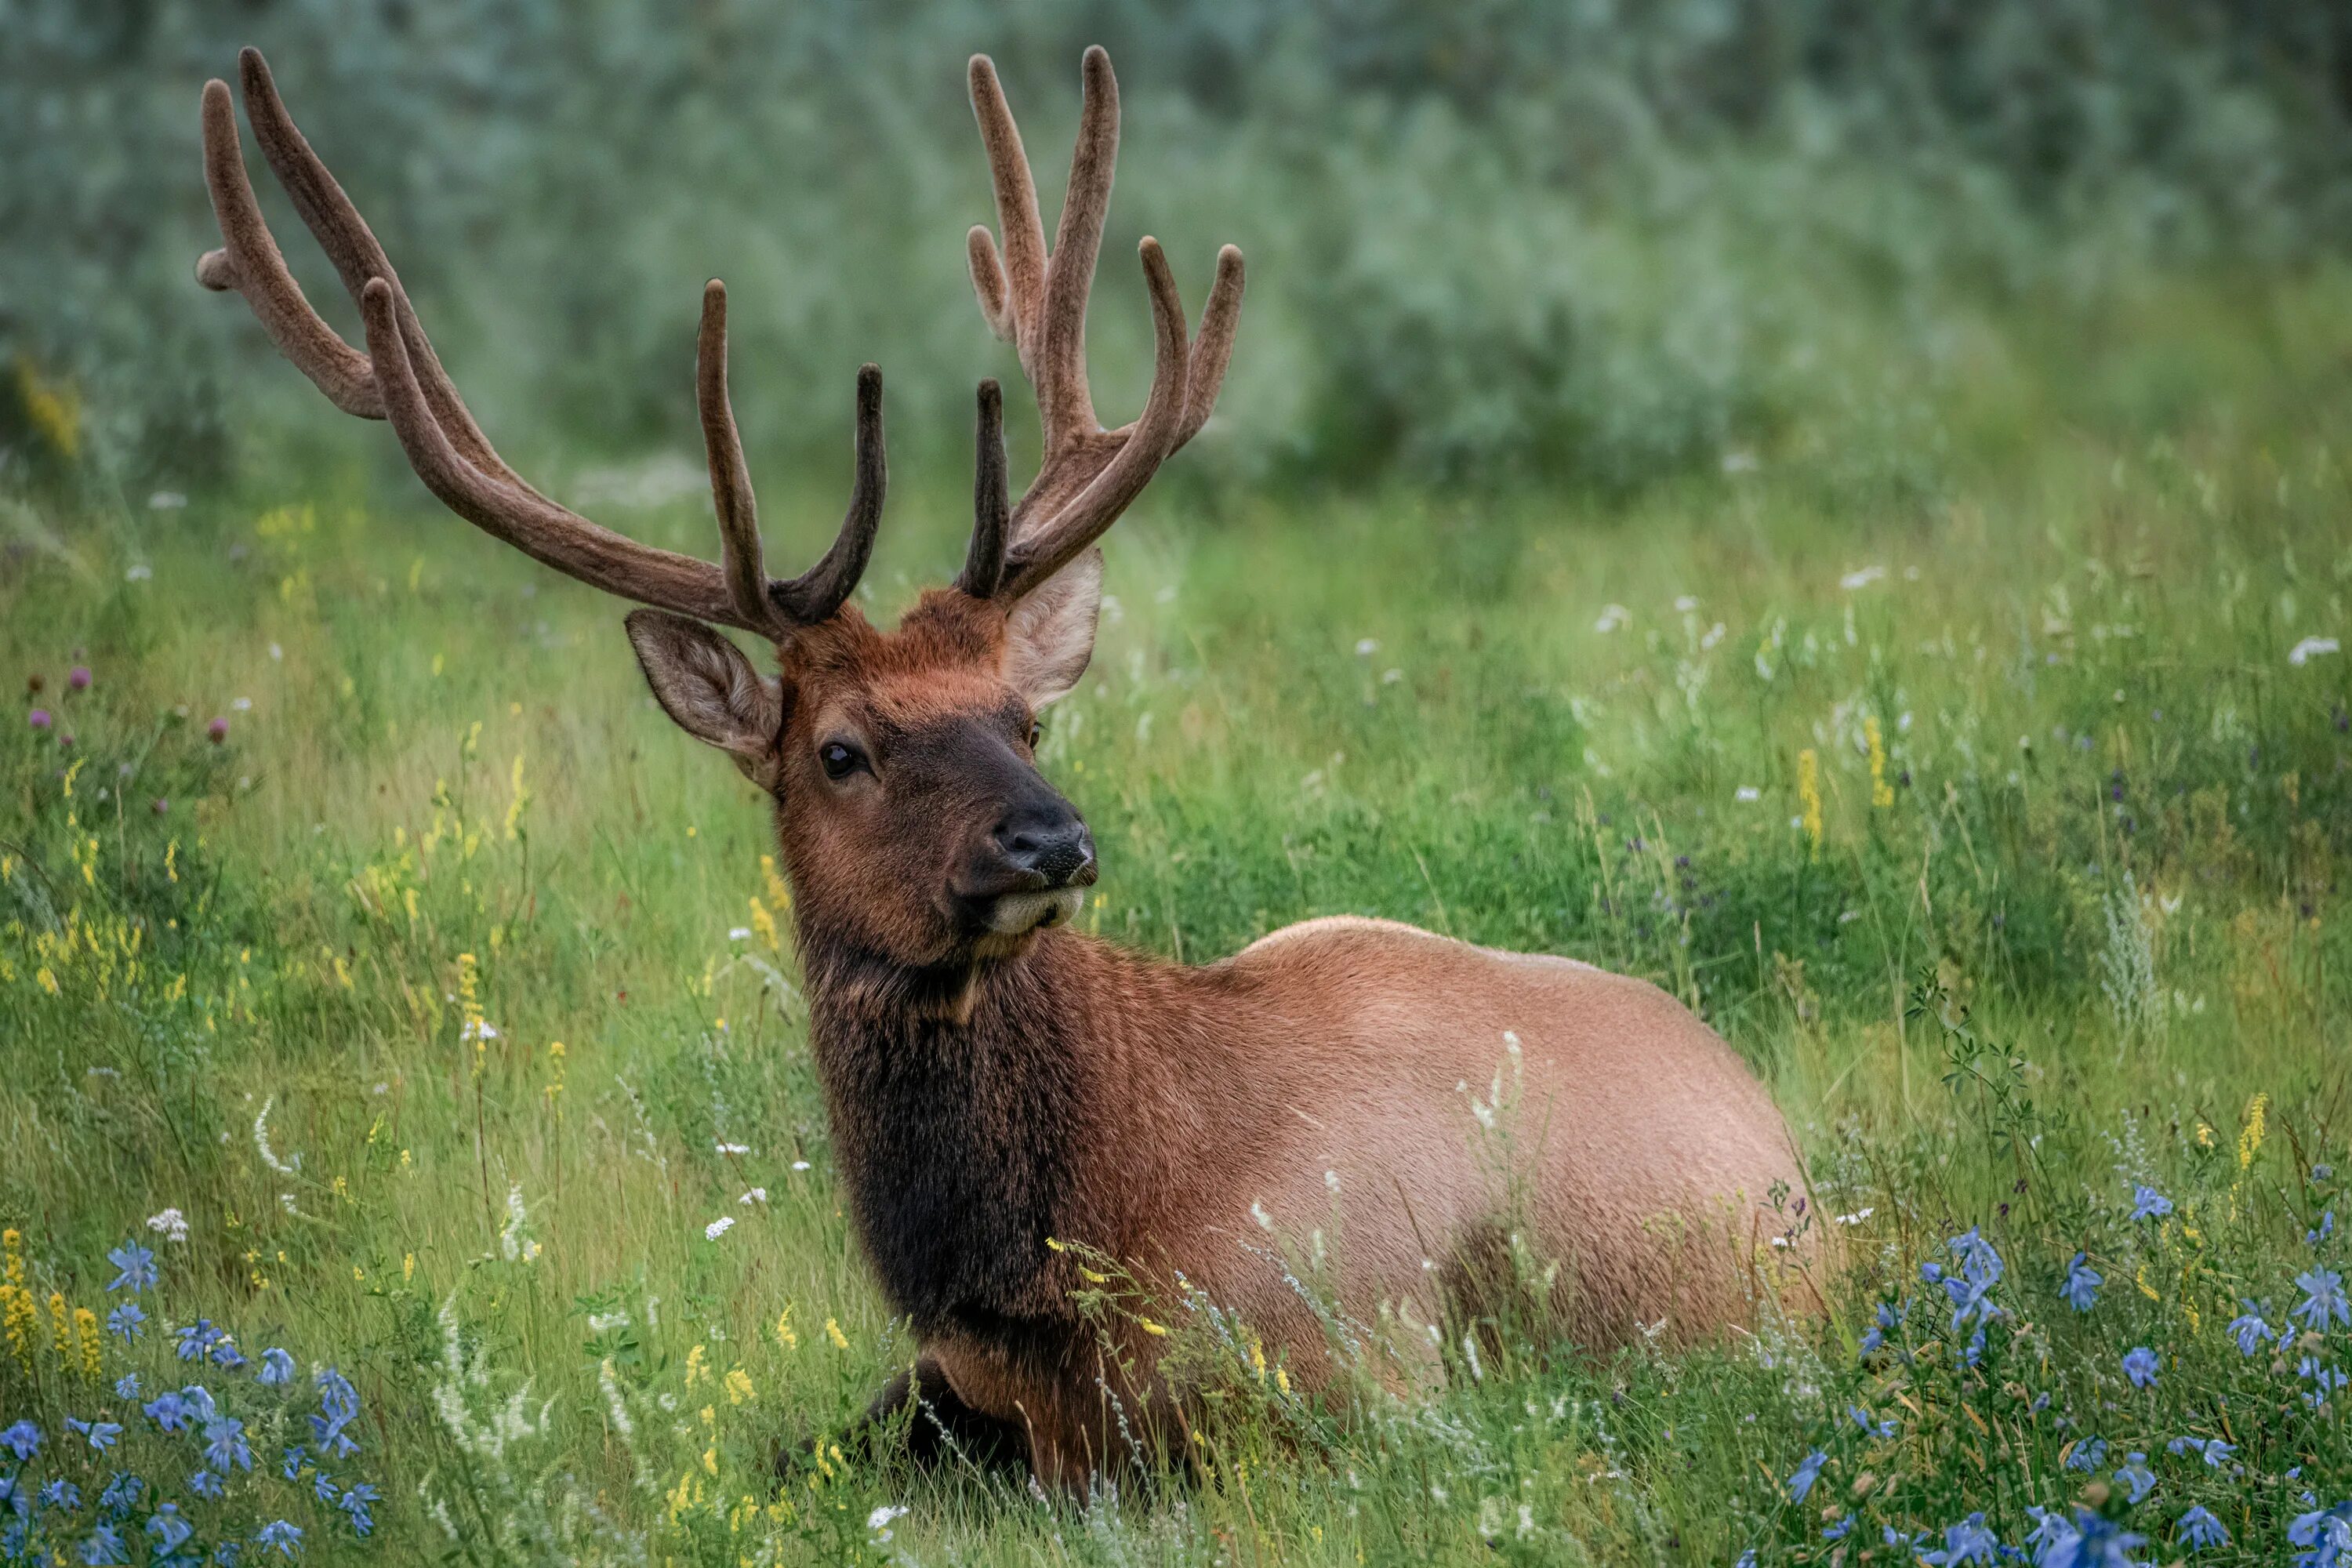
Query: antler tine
x: 741, y: 559
x: 1213, y: 348
x: 1062, y: 388
x: 351, y: 246
x: 824, y: 587
x: 991, y: 506
x: 1059, y: 540
x: 251, y: 264
x: 1011, y: 291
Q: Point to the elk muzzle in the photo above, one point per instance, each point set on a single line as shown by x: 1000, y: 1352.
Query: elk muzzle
x: 1027, y: 871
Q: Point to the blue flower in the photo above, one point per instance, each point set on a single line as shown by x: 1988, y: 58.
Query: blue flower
x: 200, y: 1403
x: 2249, y: 1330
x: 1807, y: 1474
x: 227, y: 1553
x: 1972, y: 1353
x: 2323, y: 1298
x: 168, y: 1410
x: 102, y: 1545
x: 2326, y: 1228
x: 1875, y: 1428
x: 2139, y: 1365
x: 138, y: 1266
x: 2088, y: 1455
x: 1838, y: 1529
x: 293, y: 1460
x: 339, y: 1406
x: 122, y: 1494
x: 2327, y: 1533
x: 127, y: 1386
x: 225, y: 1444
x: 2197, y: 1530
x: 323, y: 1487
x: 2138, y: 1479
x: 2149, y: 1203
x: 205, y: 1484
x: 127, y: 1320
x: 2088, y: 1540
x: 1876, y: 1336
x: 355, y: 1505
x: 197, y: 1339
x: 1967, y: 1541
x: 2217, y: 1453
x: 225, y: 1354
x: 102, y: 1434
x: 168, y: 1529
x: 12, y: 1494
x: 2083, y: 1282
x: 61, y: 1493
x: 277, y: 1367
x: 1971, y: 1289
x: 287, y: 1538
x: 23, y: 1439
x: 2324, y: 1380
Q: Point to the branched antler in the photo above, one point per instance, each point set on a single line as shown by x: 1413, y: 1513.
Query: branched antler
x: 1037, y: 302
x: 400, y: 378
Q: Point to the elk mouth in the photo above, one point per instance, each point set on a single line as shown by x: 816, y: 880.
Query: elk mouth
x: 1018, y: 914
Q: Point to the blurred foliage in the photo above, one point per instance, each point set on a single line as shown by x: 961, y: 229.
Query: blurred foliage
x: 1512, y: 240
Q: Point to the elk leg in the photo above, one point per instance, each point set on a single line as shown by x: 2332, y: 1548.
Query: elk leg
x: 941, y: 1427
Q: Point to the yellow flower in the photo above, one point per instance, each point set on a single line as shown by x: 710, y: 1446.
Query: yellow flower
x: 695, y: 1370
x: 785, y: 1335
x: 61, y: 1327
x: 54, y: 411
x: 833, y: 1331
x: 1149, y: 1327
x: 739, y: 1386
x: 1809, y: 795
x: 1882, y: 793
x: 86, y: 1332
x: 2250, y: 1140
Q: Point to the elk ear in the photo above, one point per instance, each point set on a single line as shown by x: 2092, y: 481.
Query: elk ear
x: 1050, y: 635
x: 704, y: 682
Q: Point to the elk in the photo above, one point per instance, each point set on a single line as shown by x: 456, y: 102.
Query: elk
x: 1000, y: 1085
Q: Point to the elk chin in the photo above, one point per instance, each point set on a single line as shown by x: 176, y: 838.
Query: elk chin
x: 1016, y: 917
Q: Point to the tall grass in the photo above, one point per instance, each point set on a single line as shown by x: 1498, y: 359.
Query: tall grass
x: 440, y: 988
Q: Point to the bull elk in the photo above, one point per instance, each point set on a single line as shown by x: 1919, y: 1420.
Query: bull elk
x: 998, y: 1083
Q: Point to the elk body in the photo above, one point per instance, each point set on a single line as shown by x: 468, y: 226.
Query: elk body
x: 999, y: 1085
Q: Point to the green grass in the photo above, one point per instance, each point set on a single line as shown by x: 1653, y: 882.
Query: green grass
x: 2086, y: 937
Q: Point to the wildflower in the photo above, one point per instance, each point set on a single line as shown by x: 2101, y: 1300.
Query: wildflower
x: 2309, y: 648
x: 197, y: 1339
x: 2323, y: 1299
x: 2249, y: 1330
x: 2326, y: 1532
x: 122, y: 1494
x: 1970, y: 1291
x: 225, y: 1444
x: 2136, y: 1478
x: 2088, y: 1455
x: 2139, y: 1365
x: 2217, y: 1453
x: 168, y: 1529
x: 2198, y: 1529
x: 205, y: 1484
x: 1967, y: 1541
x: 169, y: 1223
x: 127, y: 1386
x: 23, y: 1439
x: 217, y: 730
x: 2322, y: 1230
x: 338, y: 1404
x: 2086, y: 1540
x: 323, y: 1487
x: 77, y: 677
x: 1807, y: 1474
x: 102, y: 1434
x: 167, y: 1410
x: 38, y: 718
x: 225, y: 1354
x: 2324, y: 1380
x: 102, y: 1545
x: 2149, y: 1204
x: 293, y: 1460
x: 138, y: 1266
x: 277, y: 1367
x: 1839, y: 1530
x: 354, y: 1504
x: 1875, y: 1428
x: 2083, y: 1282
x: 1809, y: 796
x: 718, y: 1227
x: 277, y: 1532
x: 1876, y: 1335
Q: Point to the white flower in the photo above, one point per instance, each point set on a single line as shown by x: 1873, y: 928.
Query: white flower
x: 756, y: 1196
x: 605, y: 1322
x: 739, y: 933
x: 1611, y: 617
x: 718, y: 1227
x: 276, y: 652
x: 166, y: 501
x: 879, y: 1519
x: 170, y: 1224
x: 139, y: 573
x: 734, y: 1148
x: 1687, y: 603
x: 1856, y: 1217
x: 800, y: 1164
x: 1747, y: 795
x: 2309, y: 649
x: 1739, y: 461
x: 261, y: 1142
x: 473, y: 1031
x: 1366, y: 648
x: 1862, y: 578
x: 1388, y: 677
x: 243, y: 704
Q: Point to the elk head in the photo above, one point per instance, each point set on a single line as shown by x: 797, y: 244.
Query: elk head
x: 915, y: 825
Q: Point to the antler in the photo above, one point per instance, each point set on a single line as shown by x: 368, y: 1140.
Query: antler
x: 400, y: 378
x: 1038, y: 303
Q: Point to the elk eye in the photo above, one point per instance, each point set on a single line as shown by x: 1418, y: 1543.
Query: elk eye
x: 840, y: 759
x: 1037, y: 733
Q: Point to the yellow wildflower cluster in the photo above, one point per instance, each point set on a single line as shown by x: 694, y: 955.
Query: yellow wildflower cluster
x: 52, y: 409
x: 1809, y: 795
x: 20, y: 1321
x: 1882, y: 793
x: 470, y: 1008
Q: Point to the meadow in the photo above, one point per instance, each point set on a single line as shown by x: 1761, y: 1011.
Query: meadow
x: 403, y: 1042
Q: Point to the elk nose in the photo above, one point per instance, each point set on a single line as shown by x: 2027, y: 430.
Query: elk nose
x: 1056, y: 847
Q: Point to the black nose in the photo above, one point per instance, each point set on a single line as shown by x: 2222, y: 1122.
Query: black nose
x: 1055, y: 845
